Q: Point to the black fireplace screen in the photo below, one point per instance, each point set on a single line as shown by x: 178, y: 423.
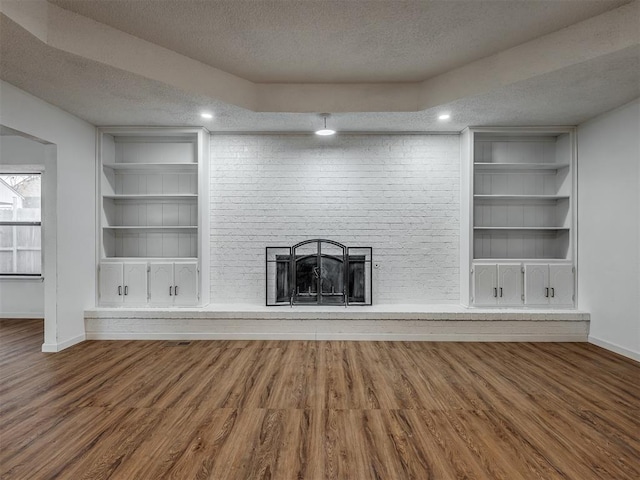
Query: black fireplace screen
x: 318, y: 272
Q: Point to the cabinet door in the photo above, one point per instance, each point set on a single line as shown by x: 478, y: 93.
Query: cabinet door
x: 509, y: 284
x: 485, y: 284
x: 186, y: 283
x: 135, y: 283
x: 110, y: 279
x: 161, y: 284
x: 536, y: 284
x: 561, y: 285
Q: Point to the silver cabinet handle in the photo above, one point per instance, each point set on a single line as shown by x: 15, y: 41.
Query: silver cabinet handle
x: 175, y: 289
x: 495, y: 292
x: 119, y: 289
x: 546, y: 292
x: 553, y: 292
x: 170, y: 290
x: 501, y: 291
x: 126, y: 289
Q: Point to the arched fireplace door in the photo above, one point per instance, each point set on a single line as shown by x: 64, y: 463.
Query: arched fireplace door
x: 318, y: 272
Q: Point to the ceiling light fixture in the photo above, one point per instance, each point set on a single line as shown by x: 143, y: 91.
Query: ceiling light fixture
x: 325, y: 131
x: 206, y: 116
x: 444, y: 116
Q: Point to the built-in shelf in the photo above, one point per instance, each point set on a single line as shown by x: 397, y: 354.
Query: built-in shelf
x: 164, y: 196
x: 153, y: 231
x: 523, y: 228
x: 156, y: 167
x: 151, y: 258
x: 518, y: 184
x: 519, y: 259
x: 151, y: 228
x: 521, y: 197
x: 485, y: 166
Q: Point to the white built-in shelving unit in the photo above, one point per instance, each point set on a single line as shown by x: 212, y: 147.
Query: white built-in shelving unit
x: 152, y: 208
x: 517, y: 222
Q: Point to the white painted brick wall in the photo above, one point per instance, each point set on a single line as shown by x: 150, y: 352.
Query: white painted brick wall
x: 399, y: 194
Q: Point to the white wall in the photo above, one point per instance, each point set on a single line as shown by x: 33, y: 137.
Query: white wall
x: 74, y: 231
x: 24, y: 297
x: 609, y: 228
x: 399, y: 194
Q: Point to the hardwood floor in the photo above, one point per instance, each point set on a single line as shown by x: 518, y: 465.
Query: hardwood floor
x: 315, y: 410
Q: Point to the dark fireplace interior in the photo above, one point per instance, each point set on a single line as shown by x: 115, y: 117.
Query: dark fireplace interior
x: 328, y: 278
x: 319, y: 272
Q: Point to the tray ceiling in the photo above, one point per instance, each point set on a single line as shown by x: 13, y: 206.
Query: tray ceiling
x: 361, y: 41
x: 109, y: 63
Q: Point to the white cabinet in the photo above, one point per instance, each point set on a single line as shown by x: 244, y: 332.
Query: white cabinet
x: 549, y: 284
x: 173, y: 283
x: 485, y: 281
x: 497, y: 284
x: 161, y: 284
x: 510, y: 284
x: 561, y: 284
x: 536, y: 284
x: 123, y: 283
x: 504, y: 284
x: 153, y: 187
x: 517, y: 205
x: 185, y: 276
x: 153, y: 284
x: 111, y: 280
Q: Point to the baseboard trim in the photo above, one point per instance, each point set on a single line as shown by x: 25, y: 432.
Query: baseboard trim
x: 453, y: 337
x: 198, y: 336
x: 364, y: 337
x: 523, y: 336
x: 58, y: 347
x: 615, y: 348
x: 23, y: 315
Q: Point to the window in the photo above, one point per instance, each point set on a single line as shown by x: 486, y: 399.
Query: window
x: 20, y: 224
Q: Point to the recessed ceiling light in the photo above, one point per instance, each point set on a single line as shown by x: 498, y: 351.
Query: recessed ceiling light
x: 325, y: 131
x: 206, y: 116
x: 444, y: 116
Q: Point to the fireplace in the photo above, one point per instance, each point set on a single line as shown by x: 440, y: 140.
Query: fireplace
x: 318, y: 272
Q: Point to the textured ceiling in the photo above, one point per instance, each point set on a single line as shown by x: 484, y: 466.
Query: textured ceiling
x: 573, y: 90
x: 338, y: 41
x: 104, y: 95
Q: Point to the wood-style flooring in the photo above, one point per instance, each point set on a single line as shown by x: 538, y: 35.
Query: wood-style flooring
x: 247, y: 410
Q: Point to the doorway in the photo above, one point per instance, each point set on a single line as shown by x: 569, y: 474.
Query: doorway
x: 27, y: 229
